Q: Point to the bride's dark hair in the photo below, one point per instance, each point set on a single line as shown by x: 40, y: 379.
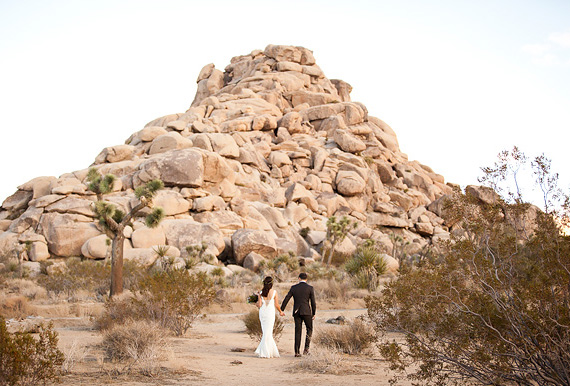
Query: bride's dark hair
x: 267, y: 285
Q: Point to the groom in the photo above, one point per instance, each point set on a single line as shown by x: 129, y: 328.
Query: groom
x: 303, y: 311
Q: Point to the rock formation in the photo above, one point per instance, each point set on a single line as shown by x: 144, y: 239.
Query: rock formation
x: 269, y: 146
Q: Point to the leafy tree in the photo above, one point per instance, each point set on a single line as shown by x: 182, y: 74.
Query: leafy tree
x: 493, y: 307
x: 114, y: 220
x: 336, y: 233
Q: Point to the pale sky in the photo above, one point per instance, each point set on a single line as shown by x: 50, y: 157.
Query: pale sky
x: 458, y: 81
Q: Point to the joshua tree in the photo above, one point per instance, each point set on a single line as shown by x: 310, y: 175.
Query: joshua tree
x: 114, y: 220
x: 336, y: 232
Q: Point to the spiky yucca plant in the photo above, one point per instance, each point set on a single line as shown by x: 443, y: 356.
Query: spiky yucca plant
x: 113, y: 220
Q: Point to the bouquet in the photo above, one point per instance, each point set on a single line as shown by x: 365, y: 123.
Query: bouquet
x: 253, y: 298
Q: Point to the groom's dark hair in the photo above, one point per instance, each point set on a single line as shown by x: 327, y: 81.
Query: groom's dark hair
x: 303, y: 276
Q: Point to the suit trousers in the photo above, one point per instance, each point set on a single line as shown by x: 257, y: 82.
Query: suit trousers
x: 299, y: 319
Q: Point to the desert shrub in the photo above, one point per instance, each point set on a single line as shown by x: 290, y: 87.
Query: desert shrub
x: 15, y: 307
x: 322, y: 361
x: 304, y: 232
x: 26, y: 287
x: 173, y: 299
x: 25, y: 360
x: 289, y: 260
x: 356, y: 337
x: 139, y: 341
x: 89, y: 275
x: 319, y: 270
x: 253, y: 326
x: 118, y: 310
x: 73, y: 353
x: 492, y: 307
x: 331, y: 289
x: 365, y: 266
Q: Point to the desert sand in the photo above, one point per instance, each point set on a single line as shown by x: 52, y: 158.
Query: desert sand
x: 218, y: 351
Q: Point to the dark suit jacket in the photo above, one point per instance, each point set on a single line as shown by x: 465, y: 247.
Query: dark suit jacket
x: 302, y: 294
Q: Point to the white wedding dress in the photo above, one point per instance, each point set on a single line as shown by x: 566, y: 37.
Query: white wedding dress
x: 267, y: 347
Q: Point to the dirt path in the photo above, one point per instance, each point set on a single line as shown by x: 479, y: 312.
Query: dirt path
x: 205, y: 357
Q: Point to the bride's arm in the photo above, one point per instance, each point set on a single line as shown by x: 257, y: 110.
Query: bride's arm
x: 277, y: 304
x: 258, y: 304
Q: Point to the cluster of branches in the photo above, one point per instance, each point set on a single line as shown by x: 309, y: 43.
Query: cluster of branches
x: 493, y: 307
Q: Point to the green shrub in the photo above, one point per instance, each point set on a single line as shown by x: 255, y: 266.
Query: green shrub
x: 289, y: 259
x: 304, y: 232
x: 25, y: 360
x: 354, y: 338
x: 365, y: 266
x: 253, y: 326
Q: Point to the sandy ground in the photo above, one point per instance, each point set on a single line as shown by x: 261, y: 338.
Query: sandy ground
x: 207, y: 356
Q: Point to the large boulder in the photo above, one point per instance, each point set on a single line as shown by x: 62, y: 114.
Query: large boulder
x: 98, y: 247
x: 183, y: 233
x: 252, y: 261
x: 184, y: 168
x: 349, y: 183
x: 39, y: 251
x: 348, y: 142
x: 145, y: 237
x: 8, y: 243
x: 172, y: 202
x: 169, y: 141
x: 483, y: 193
x: 245, y: 241
x: 66, y: 233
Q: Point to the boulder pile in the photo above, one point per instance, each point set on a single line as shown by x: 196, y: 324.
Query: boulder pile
x: 268, y: 147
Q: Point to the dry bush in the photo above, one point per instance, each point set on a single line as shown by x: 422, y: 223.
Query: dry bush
x: 118, y: 310
x: 89, y: 276
x: 174, y: 299
x: 73, y: 353
x: 318, y: 270
x: 356, y: 337
x: 15, y: 307
x: 26, y: 360
x: 27, y: 288
x: 331, y: 289
x: 139, y: 342
x: 322, y: 361
x: 253, y: 326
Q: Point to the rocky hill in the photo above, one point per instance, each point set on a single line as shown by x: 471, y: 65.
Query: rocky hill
x: 268, y: 146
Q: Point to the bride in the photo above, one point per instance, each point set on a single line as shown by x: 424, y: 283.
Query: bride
x: 267, y: 302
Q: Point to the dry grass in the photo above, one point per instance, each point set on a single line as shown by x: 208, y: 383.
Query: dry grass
x: 325, y: 361
x: 356, y: 337
x: 139, y: 343
x: 15, y: 307
x: 331, y: 289
x: 74, y: 353
x: 27, y: 288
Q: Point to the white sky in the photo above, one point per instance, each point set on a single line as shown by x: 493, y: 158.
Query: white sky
x: 458, y: 81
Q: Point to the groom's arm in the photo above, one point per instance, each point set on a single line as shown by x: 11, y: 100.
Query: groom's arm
x: 313, y: 302
x: 286, y: 300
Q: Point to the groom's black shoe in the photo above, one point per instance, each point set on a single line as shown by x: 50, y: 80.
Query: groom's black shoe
x: 306, y: 352
x: 297, y: 355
